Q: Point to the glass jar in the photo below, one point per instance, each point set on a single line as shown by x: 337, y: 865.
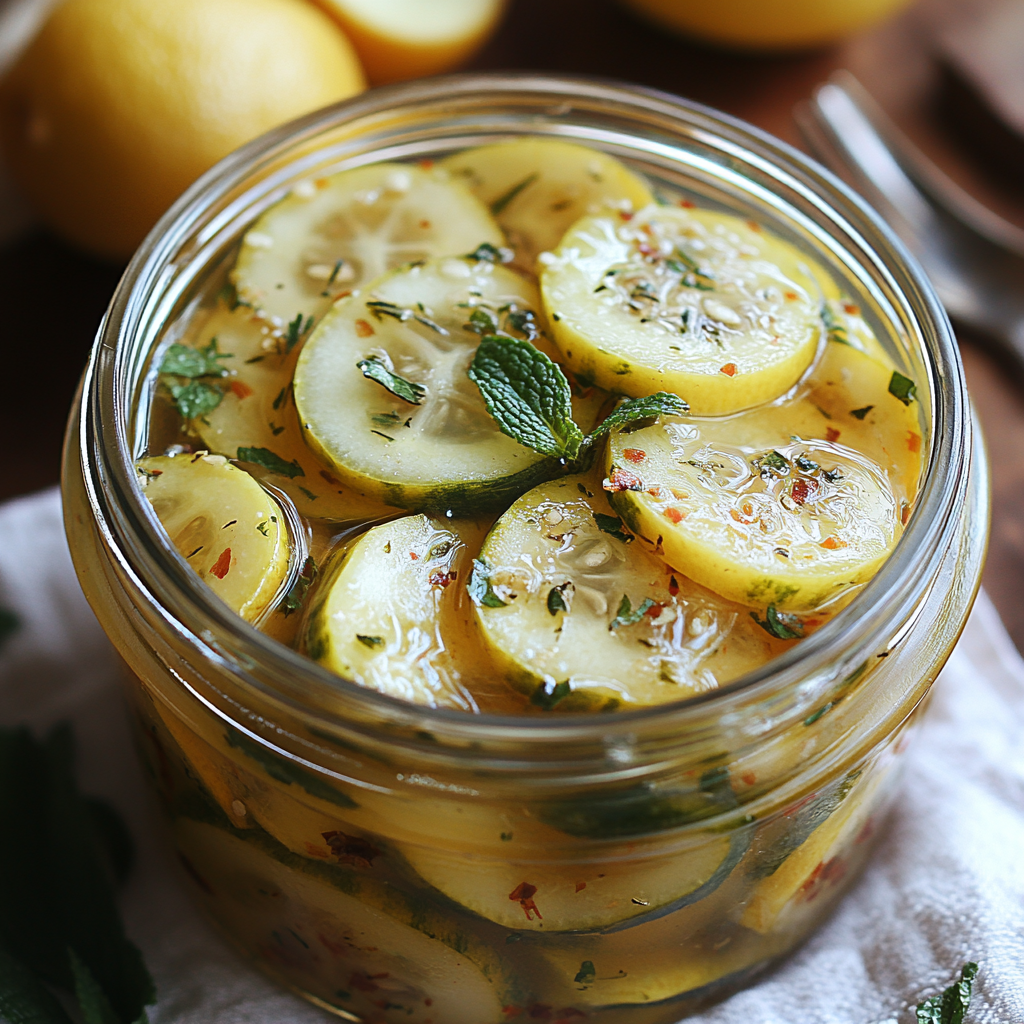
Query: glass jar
x: 392, y: 862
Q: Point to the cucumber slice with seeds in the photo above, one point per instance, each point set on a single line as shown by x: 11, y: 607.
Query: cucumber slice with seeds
x: 791, y: 527
x: 383, y: 393
x: 395, y: 617
x: 561, y: 568
x: 702, y: 304
x: 537, y: 188
x: 228, y: 529
x: 332, y: 235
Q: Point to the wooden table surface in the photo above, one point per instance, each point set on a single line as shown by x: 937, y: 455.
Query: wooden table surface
x: 53, y: 297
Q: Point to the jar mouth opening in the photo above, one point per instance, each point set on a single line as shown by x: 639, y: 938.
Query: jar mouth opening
x: 218, y: 206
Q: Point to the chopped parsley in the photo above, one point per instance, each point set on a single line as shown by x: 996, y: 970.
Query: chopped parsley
x: 586, y: 975
x: 772, y: 463
x: 296, y: 594
x: 548, y: 694
x: 195, y: 399
x: 271, y: 462
x: 612, y: 525
x: 185, y: 361
x: 479, y: 586
x: 902, y: 388
x: 861, y: 413
x: 835, y: 329
x: 780, y: 624
x: 627, y: 615
x: 557, y: 598
x: 487, y: 253
x: 806, y: 464
x: 407, y: 390
x: 370, y: 641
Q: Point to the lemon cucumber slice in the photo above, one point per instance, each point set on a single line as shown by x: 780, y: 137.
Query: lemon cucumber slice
x: 352, y: 941
x: 559, y: 570
x: 228, y: 529
x: 598, y: 895
x: 538, y: 188
x: 394, y: 615
x: 436, y: 448
x: 702, y: 304
x: 790, y: 527
x: 257, y: 414
x: 332, y: 235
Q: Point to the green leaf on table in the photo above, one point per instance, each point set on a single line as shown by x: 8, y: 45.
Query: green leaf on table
x: 627, y: 615
x: 186, y: 361
x: 195, y: 399
x: 114, y: 837
x: 407, y: 390
x: 24, y: 999
x: 92, y: 1001
x: 528, y: 396
x: 647, y: 407
x: 781, y: 625
x: 270, y: 461
x: 952, y: 1006
x: 902, y: 387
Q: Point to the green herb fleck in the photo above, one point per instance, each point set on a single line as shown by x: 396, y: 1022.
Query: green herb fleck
x: 262, y: 527
x: 549, y: 693
x: 806, y: 464
x: 195, y: 399
x: 556, y: 598
x: 773, y: 463
x: 861, y: 413
x: 270, y: 461
x: 499, y: 204
x: 612, y: 525
x: 506, y: 837
x: 370, y: 641
x: 693, y: 276
x: 661, y: 403
x: 524, y: 321
x: 627, y: 615
x: 952, y: 1006
x: 487, y: 253
x: 586, y: 974
x: 482, y: 321
x: 902, y: 388
x: 479, y: 586
x: 309, y: 494
x: 407, y: 390
x: 296, y: 594
x: 780, y: 624
x: 276, y: 404
x: 185, y: 361
x: 835, y: 329
x: 386, y: 419
x: 297, y: 330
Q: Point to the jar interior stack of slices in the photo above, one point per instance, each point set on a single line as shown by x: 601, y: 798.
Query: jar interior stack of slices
x: 514, y: 433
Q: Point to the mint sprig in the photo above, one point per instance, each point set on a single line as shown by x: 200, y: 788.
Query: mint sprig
x: 531, y: 400
x: 952, y: 1006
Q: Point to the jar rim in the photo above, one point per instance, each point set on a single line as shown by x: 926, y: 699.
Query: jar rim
x: 114, y: 378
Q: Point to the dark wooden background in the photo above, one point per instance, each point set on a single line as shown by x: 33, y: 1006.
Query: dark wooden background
x: 53, y: 297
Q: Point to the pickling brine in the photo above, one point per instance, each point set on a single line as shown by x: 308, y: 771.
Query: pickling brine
x: 522, y: 441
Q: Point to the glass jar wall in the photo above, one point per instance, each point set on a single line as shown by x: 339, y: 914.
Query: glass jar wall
x: 396, y: 862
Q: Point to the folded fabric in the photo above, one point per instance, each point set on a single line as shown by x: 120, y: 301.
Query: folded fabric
x: 945, y: 885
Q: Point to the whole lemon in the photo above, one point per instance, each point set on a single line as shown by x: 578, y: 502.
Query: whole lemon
x: 766, y: 24
x: 118, y: 105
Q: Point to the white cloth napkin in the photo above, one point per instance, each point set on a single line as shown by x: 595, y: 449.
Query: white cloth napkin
x: 946, y: 883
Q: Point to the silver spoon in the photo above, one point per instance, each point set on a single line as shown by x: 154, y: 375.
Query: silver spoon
x: 974, y: 257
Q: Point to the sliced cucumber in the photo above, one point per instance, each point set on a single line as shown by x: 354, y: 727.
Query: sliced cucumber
x: 436, y: 449
x: 395, y: 617
x: 792, y: 527
x: 334, y: 234
x: 586, y: 896
x: 355, y: 943
x: 536, y: 188
x: 551, y: 587
x: 699, y: 303
x: 257, y: 417
x: 228, y: 529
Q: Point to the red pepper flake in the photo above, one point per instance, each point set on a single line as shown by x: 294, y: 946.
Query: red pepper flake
x: 580, y: 886
x: 831, y: 434
x: 655, y: 610
x: 674, y: 515
x: 414, y: 556
x: 730, y: 369
x: 540, y: 1011
x: 511, y: 1011
x: 634, y: 455
x: 222, y: 565
x: 833, y: 543
x: 749, y: 778
x: 623, y: 480
x: 351, y: 849
x: 426, y: 163
x: 625, y: 215
x: 913, y: 442
x: 791, y: 296
x: 333, y: 481
x: 441, y: 579
x: 645, y: 249
x: 802, y: 490
x: 363, y: 329
x: 364, y: 982
x: 686, y: 204
x: 744, y: 515
x: 240, y: 388
x: 851, y: 309
x: 905, y: 514
x: 425, y: 224
x: 523, y: 894
x: 673, y: 586
x: 753, y: 225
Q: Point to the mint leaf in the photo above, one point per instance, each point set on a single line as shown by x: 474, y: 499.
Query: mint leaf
x: 647, y: 407
x: 952, y: 1006
x: 185, y: 361
x: 195, y: 399
x: 780, y: 624
x: 612, y: 525
x: 528, y: 396
x: 627, y: 615
x: 270, y: 461
x: 24, y: 999
x: 479, y: 586
x: 482, y: 321
x: 406, y: 390
x: 902, y: 388
x: 548, y: 694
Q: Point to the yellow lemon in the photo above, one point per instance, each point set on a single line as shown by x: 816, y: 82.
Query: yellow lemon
x: 401, y: 39
x: 118, y: 105
x: 766, y: 24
